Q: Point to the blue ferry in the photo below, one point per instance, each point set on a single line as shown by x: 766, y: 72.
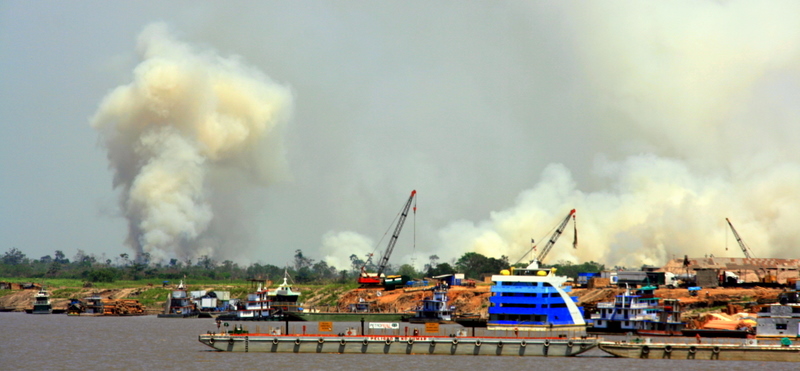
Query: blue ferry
x: 533, y: 299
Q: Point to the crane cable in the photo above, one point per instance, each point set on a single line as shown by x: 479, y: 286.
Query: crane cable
x: 414, y: 243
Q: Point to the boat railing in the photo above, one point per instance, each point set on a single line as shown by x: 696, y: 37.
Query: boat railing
x: 644, y: 317
x: 406, y: 331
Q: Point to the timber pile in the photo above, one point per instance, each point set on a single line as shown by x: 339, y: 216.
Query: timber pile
x: 122, y: 307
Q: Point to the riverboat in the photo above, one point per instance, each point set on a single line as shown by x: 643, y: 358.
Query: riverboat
x: 41, y: 302
x: 179, y: 305
x: 389, y: 344
x: 781, y: 319
x: 267, y: 305
x: 638, y: 312
x: 434, y: 309
x: 533, y: 299
x: 744, y: 350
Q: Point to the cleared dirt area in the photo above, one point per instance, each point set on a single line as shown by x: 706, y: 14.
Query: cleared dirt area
x: 474, y: 300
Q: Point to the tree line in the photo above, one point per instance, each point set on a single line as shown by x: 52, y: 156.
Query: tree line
x: 90, y: 268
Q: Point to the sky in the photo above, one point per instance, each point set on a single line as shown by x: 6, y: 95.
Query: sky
x: 245, y: 132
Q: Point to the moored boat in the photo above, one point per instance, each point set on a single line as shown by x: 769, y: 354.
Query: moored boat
x: 533, y: 299
x: 390, y: 344
x: 435, y: 308
x: 781, y: 319
x: 267, y: 304
x: 41, y: 302
x: 745, y: 350
x: 179, y: 305
x: 640, y: 312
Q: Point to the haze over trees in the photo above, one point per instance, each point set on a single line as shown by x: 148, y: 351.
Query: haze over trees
x: 303, y: 269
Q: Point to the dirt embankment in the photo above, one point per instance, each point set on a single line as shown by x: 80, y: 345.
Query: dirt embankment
x: 476, y: 300
x: 466, y: 300
x: 23, y: 299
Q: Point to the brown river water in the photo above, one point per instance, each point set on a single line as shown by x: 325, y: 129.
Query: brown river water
x: 61, y: 342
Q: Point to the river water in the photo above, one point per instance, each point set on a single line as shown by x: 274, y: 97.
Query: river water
x: 60, y: 342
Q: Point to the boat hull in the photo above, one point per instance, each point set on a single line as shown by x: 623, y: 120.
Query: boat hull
x: 745, y: 351
x: 713, y: 333
x: 347, y: 316
x: 178, y: 315
x: 398, y: 345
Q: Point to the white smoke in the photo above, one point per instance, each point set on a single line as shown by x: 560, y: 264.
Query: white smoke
x: 189, y: 123
x: 338, y: 246
x: 697, y: 100
x: 695, y: 108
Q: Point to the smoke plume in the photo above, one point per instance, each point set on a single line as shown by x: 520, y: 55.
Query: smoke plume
x: 190, y: 127
x: 696, y: 105
x: 687, y: 112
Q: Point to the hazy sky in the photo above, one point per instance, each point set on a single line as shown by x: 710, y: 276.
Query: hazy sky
x: 247, y: 131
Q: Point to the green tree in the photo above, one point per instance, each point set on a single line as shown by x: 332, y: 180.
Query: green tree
x: 356, y: 263
x: 13, y: 257
x: 443, y: 268
x: 60, y: 257
x: 566, y: 268
x: 473, y: 264
x: 409, y: 271
x: 301, y: 261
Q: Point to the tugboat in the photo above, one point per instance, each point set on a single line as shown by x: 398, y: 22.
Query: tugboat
x: 267, y: 305
x: 179, y: 305
x: 434, y: 309
x: 283, y: 298
x: 668, y: 320
x: 638, y: 312
x: 41, y: 302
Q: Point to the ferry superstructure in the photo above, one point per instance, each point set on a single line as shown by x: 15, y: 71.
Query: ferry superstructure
x: 533, y: 299
x: 628, y: 312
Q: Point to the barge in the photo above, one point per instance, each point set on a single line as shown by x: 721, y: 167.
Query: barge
x: 747, y: 350
x: 390, y: 344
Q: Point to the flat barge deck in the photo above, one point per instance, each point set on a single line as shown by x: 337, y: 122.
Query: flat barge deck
x: 391, y: 344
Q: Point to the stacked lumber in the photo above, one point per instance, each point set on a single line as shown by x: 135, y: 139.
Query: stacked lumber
x: 598, y: 282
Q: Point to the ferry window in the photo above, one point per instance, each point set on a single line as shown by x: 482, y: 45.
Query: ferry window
x: 780, y: 326
x: 763, y: 310
x: 795, y: 309
x: 559, y: 305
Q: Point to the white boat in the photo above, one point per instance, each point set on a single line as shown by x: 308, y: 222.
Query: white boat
x: 638, y: 312
x: 41, y: 302
x: 267, y: 304
x: 780, y: 320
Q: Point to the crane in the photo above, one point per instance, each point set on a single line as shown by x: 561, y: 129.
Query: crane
x: 367, y: 279
x: 554, y: 238
x: 746, y: 250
